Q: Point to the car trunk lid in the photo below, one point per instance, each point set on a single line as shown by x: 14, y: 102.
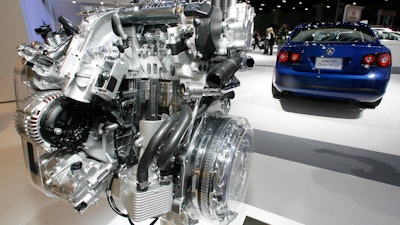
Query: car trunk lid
x: 346, y: 58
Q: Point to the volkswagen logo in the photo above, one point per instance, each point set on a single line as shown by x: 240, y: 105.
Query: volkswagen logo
x: 330, y: 51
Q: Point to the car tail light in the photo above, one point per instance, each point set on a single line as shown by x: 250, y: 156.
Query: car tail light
x: 294, y: 57
x: 286, y: 56
x: 385, y: 59
x: 283, y: 57
x: 369, y: 59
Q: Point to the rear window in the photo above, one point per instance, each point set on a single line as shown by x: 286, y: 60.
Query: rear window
x: 333, y: 34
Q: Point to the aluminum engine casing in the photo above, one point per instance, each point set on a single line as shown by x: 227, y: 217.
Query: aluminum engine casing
x: 140, y: 94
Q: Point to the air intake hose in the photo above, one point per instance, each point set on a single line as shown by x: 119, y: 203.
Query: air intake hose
x: 223, y: 72
x: 164, y: 160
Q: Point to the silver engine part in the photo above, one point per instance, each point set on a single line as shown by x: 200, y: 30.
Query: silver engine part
x: 140, y: 95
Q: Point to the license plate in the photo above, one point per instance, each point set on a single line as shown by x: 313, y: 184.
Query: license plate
x: 329, y: 63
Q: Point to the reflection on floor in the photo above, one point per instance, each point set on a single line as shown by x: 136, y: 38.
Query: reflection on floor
x: 299, y: 143
x: 302, y: 142
x: 248, y: 215
x: 251, y: 221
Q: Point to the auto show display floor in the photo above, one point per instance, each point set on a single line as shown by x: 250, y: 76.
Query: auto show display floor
x: 320, y: 161
x: 316, y: 161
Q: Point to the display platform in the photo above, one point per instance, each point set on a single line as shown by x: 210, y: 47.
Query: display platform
x: 250, y: 216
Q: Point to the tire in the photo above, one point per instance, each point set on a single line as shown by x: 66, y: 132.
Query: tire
x: 371, y: 105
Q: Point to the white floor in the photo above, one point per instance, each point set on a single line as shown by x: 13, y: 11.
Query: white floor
x: 296, y: 191
x: 334, y: 122
x: 313, y: 195
x: 246, y: 211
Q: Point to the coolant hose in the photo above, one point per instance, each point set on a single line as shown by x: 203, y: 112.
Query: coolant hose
x: 70, y: 29
x: 117, y: 26
x: 204, y: 105
x: 223, y: 72
x: 164, y: 159
x: 145, y: 161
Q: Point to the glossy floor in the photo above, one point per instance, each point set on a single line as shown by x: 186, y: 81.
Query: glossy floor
x: 310, y: 194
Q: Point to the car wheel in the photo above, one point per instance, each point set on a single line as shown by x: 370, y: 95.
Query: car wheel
x: 371, y: 105
x: 276, y: 93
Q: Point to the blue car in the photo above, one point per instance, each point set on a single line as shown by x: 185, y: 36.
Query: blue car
x: 343, y: 61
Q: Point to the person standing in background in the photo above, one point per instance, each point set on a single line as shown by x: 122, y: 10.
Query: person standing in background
x: 256, y: 41
x: 269, y: 41
x: 282, y: 35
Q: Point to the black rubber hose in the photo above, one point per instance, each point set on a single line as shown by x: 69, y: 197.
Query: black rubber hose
x: 204, y: 105
x: 223, y: 72
x: 155, y: 142
x: 164, y: 160
x: 69, y: 27
x: 117, y: 26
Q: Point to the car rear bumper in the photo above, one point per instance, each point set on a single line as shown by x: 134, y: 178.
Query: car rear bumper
x: 362, y: 88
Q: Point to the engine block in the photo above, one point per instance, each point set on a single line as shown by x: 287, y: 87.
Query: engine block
x: 140, y: 95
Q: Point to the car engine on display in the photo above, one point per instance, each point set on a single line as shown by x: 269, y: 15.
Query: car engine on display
x: 134, y: 103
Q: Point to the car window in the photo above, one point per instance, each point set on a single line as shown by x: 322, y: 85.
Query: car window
x: 332, y: 34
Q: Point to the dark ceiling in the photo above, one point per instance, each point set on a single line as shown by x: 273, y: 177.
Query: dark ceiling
x: 265, y: 6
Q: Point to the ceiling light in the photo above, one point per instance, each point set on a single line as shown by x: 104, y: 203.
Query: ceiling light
x: 73, y: 1
x: 354, y: 3
x: 306, y: 9
x: 102, y: 3
x: 262, y: 4
x: 300, y: 3
x: 261, y: 9
x: 328, y: 6
x: 293, y: 7
x: 278, y: 6
x: 283, y: 1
